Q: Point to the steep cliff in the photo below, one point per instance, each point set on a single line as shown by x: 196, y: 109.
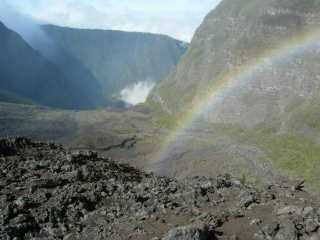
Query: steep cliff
x: 252, y: 70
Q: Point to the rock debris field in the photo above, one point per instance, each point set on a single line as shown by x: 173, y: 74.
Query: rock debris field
x: 47, y: 192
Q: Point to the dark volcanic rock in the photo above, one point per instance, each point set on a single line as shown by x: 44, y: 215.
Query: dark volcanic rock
x: 47, y: 192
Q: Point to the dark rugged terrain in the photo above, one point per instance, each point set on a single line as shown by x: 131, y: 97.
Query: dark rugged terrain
x: 47, y: 192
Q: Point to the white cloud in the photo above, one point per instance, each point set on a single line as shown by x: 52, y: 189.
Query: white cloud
x: 136, y: 93
x: 178, y: 18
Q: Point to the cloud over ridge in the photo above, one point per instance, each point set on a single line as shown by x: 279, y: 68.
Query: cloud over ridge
x: 177, y: 18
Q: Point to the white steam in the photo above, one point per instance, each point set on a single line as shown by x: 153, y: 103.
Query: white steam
x: 136, y: 93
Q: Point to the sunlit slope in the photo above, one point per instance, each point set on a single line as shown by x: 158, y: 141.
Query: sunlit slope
x: 252, y: 75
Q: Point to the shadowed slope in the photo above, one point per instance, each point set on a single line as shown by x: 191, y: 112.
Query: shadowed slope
x: 25, y: 73
x: 119, y: 59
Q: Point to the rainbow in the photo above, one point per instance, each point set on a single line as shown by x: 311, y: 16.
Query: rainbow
x: 224, y: 84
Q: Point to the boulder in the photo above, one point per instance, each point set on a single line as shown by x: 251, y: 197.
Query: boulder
x: 190, y: 233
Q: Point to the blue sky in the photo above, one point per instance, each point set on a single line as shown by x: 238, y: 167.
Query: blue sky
x: 177, y: 18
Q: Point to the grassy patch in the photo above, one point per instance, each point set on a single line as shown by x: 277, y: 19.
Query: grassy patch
x: 307, y: 114
x: 293, y: 154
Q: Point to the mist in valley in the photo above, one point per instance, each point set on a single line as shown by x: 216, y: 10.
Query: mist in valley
x: 137, y: 93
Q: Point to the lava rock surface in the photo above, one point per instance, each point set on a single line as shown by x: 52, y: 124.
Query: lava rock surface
x: 47, y: 192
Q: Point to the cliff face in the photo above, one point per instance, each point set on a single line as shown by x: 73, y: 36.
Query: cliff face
x: 258, y: 51
x: 118, y: 59
x: 238, y: 33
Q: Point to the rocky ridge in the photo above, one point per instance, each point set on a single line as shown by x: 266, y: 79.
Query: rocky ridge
x: 48, y: 192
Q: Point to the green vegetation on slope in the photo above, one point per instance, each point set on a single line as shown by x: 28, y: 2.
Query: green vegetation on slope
x: 293, y: 154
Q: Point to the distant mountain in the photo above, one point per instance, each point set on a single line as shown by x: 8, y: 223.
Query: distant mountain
x: 81, y: 69
x: 118, y: 59
x: 28, y: 77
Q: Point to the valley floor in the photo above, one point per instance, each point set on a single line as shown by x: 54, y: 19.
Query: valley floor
x: 136, y: 137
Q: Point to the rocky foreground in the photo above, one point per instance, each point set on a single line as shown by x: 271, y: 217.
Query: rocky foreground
x: 47, y: 192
